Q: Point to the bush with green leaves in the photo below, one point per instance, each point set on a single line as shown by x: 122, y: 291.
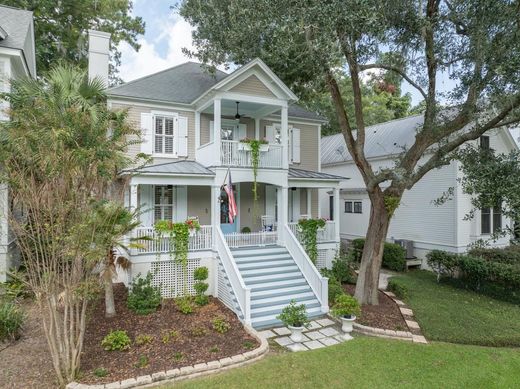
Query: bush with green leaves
x: 508, y: 255
x: 294, y: 315
x: 100, y: 372
x: 184, y: 304
x: 394, y: 256
x: 444, y: 264
x: 335, y: 288
x: 345, y: 306
x: 11, y: 319
x: 144, y: 298
x: 342, y: 269
x: 221, y: 325
x: 116, y: 341
x: 397, y: 288
x: 200, y: 275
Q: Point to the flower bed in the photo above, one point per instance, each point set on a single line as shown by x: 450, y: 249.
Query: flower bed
x: 160, y: 341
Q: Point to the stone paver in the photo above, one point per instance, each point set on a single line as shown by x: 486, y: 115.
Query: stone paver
x: 282, y: 331
x: 313, y: 325
x: 329, y: 331
x: 419, y: 339
x: 315, y: 335
x: 325, y: 322
x: 267, y: 334
x: 383, y: 280
x: 399, y: 302
x: 329, y: 341
x: 297, y: 347
x: 283, y: 341
x: 406, y: 311
x: 412, y: 324
x: 314, y: 344
x: 340, y: 338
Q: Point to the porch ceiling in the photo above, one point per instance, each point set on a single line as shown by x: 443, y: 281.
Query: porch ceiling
x: 245, y: 108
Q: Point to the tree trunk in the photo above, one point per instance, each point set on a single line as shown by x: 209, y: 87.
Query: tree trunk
x: 110, y: 306
x: 368, y: 278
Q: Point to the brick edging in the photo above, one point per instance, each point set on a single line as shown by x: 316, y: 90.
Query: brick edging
x: 186, y: 372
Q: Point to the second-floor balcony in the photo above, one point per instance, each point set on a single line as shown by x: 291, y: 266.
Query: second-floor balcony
x: 237, y: 153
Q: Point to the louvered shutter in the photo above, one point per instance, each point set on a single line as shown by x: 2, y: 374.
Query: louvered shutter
x: 182, y: 136
x: 295, y: 145
x: 242, y: 131
x: 211, y: 130
x: 146, y: 133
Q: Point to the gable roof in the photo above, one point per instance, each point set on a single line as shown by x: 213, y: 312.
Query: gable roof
x: 183, y: 84
x: 17, y: 27
x: 301, y: 173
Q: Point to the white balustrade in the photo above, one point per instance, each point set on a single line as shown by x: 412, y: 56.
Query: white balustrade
x: 200, y: 240
x: 245, y: 239
x: 236, y: 153
x: 325, y: 234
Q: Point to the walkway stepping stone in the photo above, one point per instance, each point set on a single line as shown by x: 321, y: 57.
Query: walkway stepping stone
x: 329, y: 331
x: 413, y: 324
x: 406, y: 311
x: 325, y: 322
x: 266, y: 334
x: 329, y: 341
x: 314, y: 344
x: 315, y: 335
x: 282, y: 331
x: 313, y: 325
x: 283, y: 341
x: 297, y: 347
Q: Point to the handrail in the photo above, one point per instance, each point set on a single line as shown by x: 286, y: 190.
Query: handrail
x: 241, y: 291
x: 318, y: 283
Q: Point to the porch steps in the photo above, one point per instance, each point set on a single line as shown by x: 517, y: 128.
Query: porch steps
x: 275, y: 280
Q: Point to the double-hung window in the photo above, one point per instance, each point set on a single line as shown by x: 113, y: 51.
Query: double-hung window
x: 491, y: 219
x: 164, y: 135
x: 163, y: 202
x: 353, y: 207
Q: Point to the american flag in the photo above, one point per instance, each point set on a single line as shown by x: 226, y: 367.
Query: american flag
x: 231, y: 198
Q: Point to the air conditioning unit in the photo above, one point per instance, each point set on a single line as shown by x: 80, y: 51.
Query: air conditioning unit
x: 407, y: 245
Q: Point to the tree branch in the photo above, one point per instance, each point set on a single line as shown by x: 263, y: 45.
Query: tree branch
x: 395, y: 69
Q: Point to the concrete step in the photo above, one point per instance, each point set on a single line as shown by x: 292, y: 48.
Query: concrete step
x: 275, y: 270
x: 282, y: 300
x: 280, y: 291
x: 241, y: 252
x: 275, y: 309
x: 294, y: 275
x: 273, y: 286
x: 262, y: 258
x: 265, y: 264
x: 272, y: 321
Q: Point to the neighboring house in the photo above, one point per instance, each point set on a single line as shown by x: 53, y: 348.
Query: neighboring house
x: 192, y: 123
x: 17, y: 59
x: 417, y: 219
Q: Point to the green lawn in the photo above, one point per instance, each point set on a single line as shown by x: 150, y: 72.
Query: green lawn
x: 450, y: 314
x: 376, y: 363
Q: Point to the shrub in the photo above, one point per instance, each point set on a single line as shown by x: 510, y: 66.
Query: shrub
x: 394, y: 256
x: 220, y: 325
x: 143, y: 297
x: 214, y: 349
x: 11, y: 319
x: 142, y: 340
x: 294, y: 315
x: 248, y: 345
x: 178, y: 356
x: 508, y: 255
x: 199, y: 331
x: 342, y: 270
x: 200, y: 275
x: 100, y: 372
x: 169, y: 335
x: 246, y: 230
x: 184, y: 304
x: 345, y: 306
x: 142, y: 362
x: 399, y: 289
x: 335, y: 288
x: 116, y: 341
x: 442, y: 263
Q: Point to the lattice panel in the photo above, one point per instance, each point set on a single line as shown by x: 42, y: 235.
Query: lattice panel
x: 224, y: 291
x: 321, y: 261
x: 169, y: 276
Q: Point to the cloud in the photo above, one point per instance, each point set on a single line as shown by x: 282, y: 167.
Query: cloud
x: 159, y: 52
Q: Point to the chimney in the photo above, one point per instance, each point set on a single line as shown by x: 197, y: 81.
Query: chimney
x: 98, y: 50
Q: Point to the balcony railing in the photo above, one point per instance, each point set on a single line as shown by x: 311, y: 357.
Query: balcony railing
x: 261, y: 238
x: 235, y: 153
x: 325, y: 234
x: 201, y: 240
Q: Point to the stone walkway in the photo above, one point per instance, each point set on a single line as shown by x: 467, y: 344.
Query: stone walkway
x: 321, y: 333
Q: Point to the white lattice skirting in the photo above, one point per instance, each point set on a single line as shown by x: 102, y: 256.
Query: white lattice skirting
x: 169, y: 276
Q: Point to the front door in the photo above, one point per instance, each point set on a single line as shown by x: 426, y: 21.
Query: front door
x: 225, y: 225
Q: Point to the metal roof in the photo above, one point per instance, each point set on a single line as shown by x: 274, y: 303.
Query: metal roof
x: 382, y: 139
x: 175, y: 168
x: 17, y: 27
x: 306, y: 174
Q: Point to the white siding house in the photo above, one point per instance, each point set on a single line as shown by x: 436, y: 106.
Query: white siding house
x: 418, y: 219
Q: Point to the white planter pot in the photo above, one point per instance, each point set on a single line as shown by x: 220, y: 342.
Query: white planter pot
x: 296, y: 333
x: 346, y: 324
x: 192, y: 232
x: 247, y: 147
x: 264, y: 148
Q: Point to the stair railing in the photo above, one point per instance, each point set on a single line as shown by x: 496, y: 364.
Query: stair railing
x: 241, y: 291
x: 318, y: 283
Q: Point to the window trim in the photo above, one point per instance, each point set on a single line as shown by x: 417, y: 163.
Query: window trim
x: 491, y: 214
x: 162, y: 206
x: 360, y: 205
x: 487, y: 141
x: 351, y: 206
x: 175, y: 117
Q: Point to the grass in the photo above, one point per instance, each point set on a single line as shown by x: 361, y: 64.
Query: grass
x: 450, y: 314
x: 376, y: 363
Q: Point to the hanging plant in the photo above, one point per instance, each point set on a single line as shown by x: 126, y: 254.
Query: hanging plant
x: 308, y: 231
x: 179, y: 240
x: 255, y: 144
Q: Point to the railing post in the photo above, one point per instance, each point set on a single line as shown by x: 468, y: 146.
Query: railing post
x: 285, y: 137
x: 216, y: 131
x: 336, y: 214
x: 282, y: 198
x: 215, y: 212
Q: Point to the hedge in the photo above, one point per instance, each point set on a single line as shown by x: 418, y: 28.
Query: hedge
x: 509, y: 255
x: 394, y: 256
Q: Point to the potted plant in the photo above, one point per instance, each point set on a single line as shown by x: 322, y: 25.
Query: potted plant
x: 346, y: 308
x: 248, y: 144
x: 295, y: 317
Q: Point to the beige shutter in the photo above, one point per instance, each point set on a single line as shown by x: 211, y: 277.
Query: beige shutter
x: 211, y: 130
x: 182, y: 136
x: 146, y: 133
x: 295, y: 146
x: 242, y: 131
x: 270, y: 134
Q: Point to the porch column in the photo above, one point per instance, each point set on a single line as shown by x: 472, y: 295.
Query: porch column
x: 282, y: 199
x: 285, y: 137
x: 309, y: 202
x: 216, y: 130
x: 215, y: 211
x: 336, y: 214
x: 197, y: 129
x: 257, y: 128
x: 133, y: 197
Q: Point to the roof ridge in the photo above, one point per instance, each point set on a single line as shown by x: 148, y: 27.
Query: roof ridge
x: 16, y: 8
x: 156, y: 73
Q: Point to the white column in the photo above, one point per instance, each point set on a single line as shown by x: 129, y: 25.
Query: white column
x: 215, y: 211
x: 216, y: 128
x: 285, y: 137
x: 336, y: 214
x: 257, y: 128
x: 4, y: 231
x: 133, y: 197
x: 197, y: 129
x: 282, y: 199
x: 309, y: 202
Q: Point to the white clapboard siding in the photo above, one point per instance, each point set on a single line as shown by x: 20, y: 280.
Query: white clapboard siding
x: 182, y: 203
x: 270, y: 133
x: 146, y: 133
x: 182, y: 136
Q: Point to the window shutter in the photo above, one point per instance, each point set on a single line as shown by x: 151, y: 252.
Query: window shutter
x: 295, y: 146
x: 182, y: 136
x: 242, y: 131
x: 211, y: 130
x: 270, y: 134
x: 181, y: 205
x: 147, y: 204
x: 146, y: 133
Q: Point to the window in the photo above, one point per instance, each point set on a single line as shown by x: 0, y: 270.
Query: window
x: 485, y: 221
x: 353, y: 207
x: 491, y: 219
x: 484, y: 142
x: 331, y: 207
x: 163, y: 202
x: 163, y: 130
x: 348, y: 207
x: 497, y: 218
x: 358, y: 207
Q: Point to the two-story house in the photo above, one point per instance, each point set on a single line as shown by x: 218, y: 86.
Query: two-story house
x: 17, y: 59
x: 192, y: 125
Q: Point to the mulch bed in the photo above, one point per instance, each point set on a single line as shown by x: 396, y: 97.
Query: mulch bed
x: 386, y: 315
x: 194, y: 341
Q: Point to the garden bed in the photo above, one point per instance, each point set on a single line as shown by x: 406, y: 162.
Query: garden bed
x: 386, y: 315
x: 177, y: 339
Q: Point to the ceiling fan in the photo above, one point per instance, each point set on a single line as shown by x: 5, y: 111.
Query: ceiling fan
x: 238, y: 116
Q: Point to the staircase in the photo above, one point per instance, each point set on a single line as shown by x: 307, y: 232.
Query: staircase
x: 275, y: 280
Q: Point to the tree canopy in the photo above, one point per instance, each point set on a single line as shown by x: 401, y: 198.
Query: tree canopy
x: 61, y: 29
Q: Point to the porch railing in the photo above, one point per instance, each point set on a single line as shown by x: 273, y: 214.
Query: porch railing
x: 201, y: 240
x: 238, y: 239
x: 235, y: 153
x: 325, y: 234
